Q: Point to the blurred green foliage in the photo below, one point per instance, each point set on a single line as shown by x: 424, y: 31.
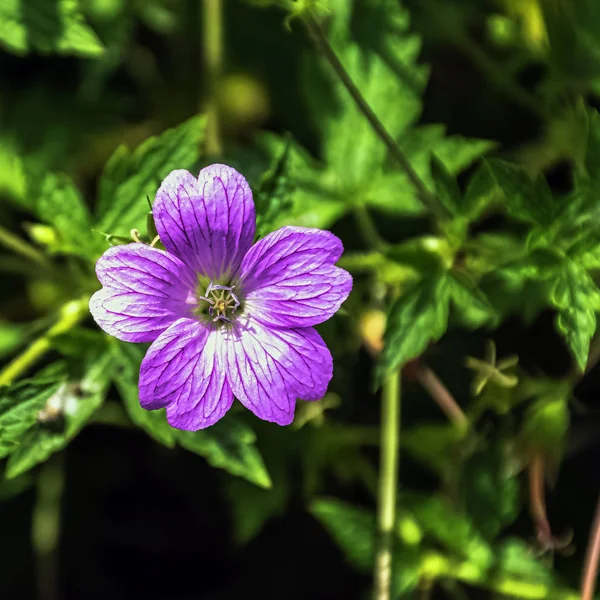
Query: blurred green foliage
x: 101, y: 99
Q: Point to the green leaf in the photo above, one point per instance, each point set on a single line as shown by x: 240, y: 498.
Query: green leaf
x: 490, y: 492
x: 21, y: 403
x: 354, y: 531
x: 11, y: 337
x: 127, y: 360
x: 592, y: 150
x: 515, y: 558
x: 576, y: 298
x: 252, y: 506
x: 64, y: 414
x: 274, y: 194
x: 393, y: 192
x: 129, y: 177
x: 526, y: 199
x: 352, y: 528
x: 47, y: 26
x: 439, y: 447
x: 61, y: 205
x: 425, y: 254
x: 454, y: 530
x: 229, y: 445
x: 446, y: 187
x: 546, y: 422
x: 471, y: 305
x: 352, y: 148
x: 388, y: 78
x: 315, y: 198
x: 482, y: 191
x: 419, y: 316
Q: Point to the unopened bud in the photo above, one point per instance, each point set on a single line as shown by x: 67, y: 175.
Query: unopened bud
x: 372, y: 327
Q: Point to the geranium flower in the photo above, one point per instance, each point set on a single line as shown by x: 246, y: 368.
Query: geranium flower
x: 225, y: 317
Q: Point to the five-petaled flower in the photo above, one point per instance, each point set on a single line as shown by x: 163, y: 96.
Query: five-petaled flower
x: 225, y: 317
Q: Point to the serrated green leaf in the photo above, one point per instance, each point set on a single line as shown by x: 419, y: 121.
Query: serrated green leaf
x: 129, y: 177
x: 352, y: 148
x: 63, y: 415
x: 228, y: 445
x: 127, y: 360
x: 315, y: 198
x: 446, y: 187
x: 388, y: 78
x: 576, y: 298
x: 21, y: 403
x: 274, y: 195
x: 61, y: 205
x: 526, y: 199
x: 47, y: 26
x: 352, y: 528
x: 471, y: 305
x: 419, y: 316
x: 482, y: 191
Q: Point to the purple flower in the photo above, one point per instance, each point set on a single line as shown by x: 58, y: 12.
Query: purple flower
x: 225, y: 317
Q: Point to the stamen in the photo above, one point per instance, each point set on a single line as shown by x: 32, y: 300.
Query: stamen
x: 135, y: 235
x: 220, y: 298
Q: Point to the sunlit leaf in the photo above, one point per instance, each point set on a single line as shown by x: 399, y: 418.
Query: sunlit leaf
x: 127, y: 360
x: 129, y: 177
x: 61, y: 418
x: 576, y: 298
x: 418, y: 317
x: 228, y: 445
x: 48, y: 26
x: 61, y: 205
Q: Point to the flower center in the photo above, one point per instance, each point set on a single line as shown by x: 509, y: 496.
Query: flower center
x: 220, y: 298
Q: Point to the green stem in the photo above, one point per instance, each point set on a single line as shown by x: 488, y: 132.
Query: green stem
x: 322, y: 43
x: 213, y: 56
x: 69, y: 316
x: 45, y: 527
x: 16, y: 244
x: 367, y: 228
x: 388, y: 484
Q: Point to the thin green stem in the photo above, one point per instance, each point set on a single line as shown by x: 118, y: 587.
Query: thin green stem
x: 322, y: 43
x: 592, y: 556
x: 70, y: 315
x: 213, y: 57
x: 45, y: 527
x: 16, y: 244
x: 388, y: 484
x: 367, y: 228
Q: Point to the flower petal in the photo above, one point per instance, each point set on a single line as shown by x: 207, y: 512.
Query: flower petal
x: 269, y: 369
x: 184, y: 371
x: 145, y: 291
x: 210, y: 222
x: 289, y: 278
